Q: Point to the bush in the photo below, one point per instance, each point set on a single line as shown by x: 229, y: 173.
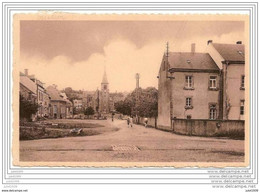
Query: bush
x: 27, y: 108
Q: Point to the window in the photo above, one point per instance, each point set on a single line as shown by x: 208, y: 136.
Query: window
x: 242, y: 82
x: 212, y: 82
x: 188, y: 81
x: 188, y: 102
x: 55, y: 109
x: 212, y: 112
x: 242, y: 109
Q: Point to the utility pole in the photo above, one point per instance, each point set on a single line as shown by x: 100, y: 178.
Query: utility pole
x: 168, y: 76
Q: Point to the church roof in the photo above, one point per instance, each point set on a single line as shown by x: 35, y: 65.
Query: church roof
x: 104, y: 80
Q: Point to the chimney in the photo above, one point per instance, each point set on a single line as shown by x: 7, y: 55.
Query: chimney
x: 210, y: 41
x: 26, y: 72
x: 193, y: 45
x: 239, y: 42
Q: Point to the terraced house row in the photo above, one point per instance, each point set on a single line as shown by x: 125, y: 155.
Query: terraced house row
x: 203, y: 86
x: 51, y: 102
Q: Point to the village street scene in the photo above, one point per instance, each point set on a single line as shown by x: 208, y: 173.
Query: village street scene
x: 139, y: 96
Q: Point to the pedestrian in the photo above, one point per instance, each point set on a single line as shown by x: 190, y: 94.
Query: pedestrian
x: 145, y: 121
x: 131, y: 121
x: 113, y: 116
x: 128, y: 122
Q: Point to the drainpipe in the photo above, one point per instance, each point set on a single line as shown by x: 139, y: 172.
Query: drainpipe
x: 221, y: 103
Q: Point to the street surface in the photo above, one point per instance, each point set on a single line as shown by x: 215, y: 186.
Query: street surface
x: 136, y: 144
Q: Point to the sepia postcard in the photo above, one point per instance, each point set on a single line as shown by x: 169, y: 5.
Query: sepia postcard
x: 111, y: 90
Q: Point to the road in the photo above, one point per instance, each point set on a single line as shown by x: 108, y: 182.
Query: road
x: 136, y: 144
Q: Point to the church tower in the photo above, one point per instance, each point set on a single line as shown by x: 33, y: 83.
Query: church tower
x: 104, y: 94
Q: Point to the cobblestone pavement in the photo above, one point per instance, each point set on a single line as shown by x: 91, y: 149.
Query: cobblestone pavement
x: 136, y: 144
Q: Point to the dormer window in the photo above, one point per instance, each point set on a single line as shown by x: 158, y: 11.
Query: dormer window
x: 188, y: 61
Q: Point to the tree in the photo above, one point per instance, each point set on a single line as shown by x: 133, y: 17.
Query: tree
x: 71, y: 94
x: 89, y: 111
x: 27, y: 108
x: 148, y: 103
x: 141, y: 102
x: 124, y: 107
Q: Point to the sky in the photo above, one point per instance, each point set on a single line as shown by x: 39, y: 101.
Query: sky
x: 76, y: 53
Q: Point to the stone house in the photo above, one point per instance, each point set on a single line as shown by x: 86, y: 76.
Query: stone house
x: 69, y: 105
x: 42, y: 98
x: 195, y: 85
x: 58, y: 105
x: 230, y: 59
x: 188, y: 87
x: 28, y: 89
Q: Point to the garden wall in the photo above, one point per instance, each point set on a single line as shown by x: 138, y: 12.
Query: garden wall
x: 200, y: 127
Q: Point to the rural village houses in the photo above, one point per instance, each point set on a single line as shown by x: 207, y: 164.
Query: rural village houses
x: 55, y: 104
x: 206, y: 86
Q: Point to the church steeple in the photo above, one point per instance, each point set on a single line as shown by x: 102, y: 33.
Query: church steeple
x: 104, y: 80
x: 104, y: 94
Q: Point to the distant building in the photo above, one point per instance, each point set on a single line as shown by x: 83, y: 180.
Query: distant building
x: 69, y: 105
x: 77, y: 103
x: 42, y: 98
x: 195, y: 85
x: 102, y: 101
x: 104, y: 95
x: 28, y: 88
x: 58, y: 105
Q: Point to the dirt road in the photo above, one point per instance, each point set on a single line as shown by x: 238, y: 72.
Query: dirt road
x: 136, y: 144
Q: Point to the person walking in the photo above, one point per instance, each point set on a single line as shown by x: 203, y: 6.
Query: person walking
x: 145, y: 121
x: 131, y: 121
x: 128, y: 121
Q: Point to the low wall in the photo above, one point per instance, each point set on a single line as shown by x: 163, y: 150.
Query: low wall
x: 200, y: 127
x: 152, y: 122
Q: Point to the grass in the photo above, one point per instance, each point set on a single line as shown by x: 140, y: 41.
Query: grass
x: 61, y: 124
x: 43, y: 133
x: 57, y: 129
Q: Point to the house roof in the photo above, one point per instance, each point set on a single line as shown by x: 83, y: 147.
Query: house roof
x: 64, y: 95
x: 193, y: 61
x: 28, y: 83
x: 54, y: 94
x: 231, y: 52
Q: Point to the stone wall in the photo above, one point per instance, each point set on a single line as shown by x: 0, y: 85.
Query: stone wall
x: 208, y: 127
